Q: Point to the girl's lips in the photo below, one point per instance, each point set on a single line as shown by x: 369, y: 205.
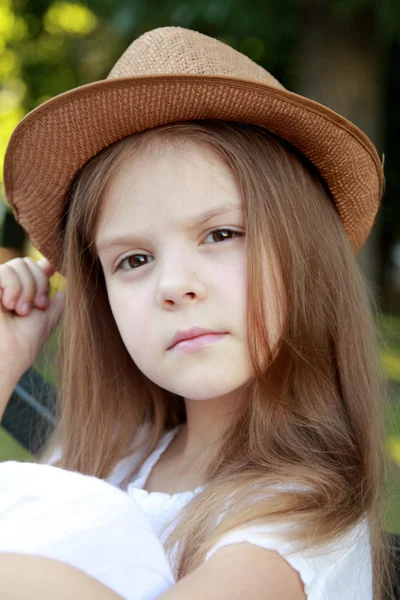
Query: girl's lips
x: 196, y: 343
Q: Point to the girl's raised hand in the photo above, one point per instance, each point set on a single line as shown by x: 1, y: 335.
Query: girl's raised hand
x: 27, y: 314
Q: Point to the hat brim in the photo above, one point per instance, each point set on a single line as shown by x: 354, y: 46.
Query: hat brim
x: 54, y: 141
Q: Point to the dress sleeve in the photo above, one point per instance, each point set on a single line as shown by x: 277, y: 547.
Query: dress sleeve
x: 339, y: 570
x: 84, y: 522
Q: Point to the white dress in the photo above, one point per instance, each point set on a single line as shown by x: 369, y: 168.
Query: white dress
x: 341, y: 570
x: 116, y: 541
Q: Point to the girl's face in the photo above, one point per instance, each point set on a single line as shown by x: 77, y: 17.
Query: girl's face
x: 167, y: 267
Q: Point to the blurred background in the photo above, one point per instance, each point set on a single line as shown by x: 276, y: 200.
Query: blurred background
x: 342, y: 53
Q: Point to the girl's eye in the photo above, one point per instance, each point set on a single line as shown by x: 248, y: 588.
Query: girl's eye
x: 133, y: 262
x: 138, y: 260
x: 220, y: 235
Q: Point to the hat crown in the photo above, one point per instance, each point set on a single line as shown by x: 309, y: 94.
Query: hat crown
x: 178, y: 51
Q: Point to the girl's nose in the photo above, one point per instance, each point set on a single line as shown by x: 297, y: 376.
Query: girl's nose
x: 180, y: 290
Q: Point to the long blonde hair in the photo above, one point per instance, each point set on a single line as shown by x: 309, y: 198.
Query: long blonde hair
x: 313, y: 416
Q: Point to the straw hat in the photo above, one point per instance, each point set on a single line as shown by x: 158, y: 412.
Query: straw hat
x: 172, y: 74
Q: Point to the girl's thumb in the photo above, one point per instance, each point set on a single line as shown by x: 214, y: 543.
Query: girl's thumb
x: 55, y: 310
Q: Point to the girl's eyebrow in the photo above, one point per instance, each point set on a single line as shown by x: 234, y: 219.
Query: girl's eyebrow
x: 198, y: 221
x: 216, y: 211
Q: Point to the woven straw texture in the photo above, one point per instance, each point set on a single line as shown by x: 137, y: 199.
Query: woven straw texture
x: 168, y: 75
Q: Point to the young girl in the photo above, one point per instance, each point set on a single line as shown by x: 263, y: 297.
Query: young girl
x: 218, y: 360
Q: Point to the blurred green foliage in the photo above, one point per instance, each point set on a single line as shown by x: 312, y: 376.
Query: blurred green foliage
x: 10, y: 449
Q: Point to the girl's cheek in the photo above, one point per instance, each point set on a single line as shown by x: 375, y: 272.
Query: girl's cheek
x: 233, y: 281
x: 134, y: 327
x: 132, y: 311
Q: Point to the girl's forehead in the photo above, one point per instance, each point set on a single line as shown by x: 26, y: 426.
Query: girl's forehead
x: 175, y: 161
x: 176, y: 178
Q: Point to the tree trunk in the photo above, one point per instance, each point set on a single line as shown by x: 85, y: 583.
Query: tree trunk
x: 341, y: 66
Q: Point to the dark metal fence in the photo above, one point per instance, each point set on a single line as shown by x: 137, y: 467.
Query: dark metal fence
x: 29, y: 415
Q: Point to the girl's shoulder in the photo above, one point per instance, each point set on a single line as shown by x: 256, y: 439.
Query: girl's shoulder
x: 337, y: 570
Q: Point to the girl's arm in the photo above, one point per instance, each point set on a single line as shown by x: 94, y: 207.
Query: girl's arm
x: 235, y: 572
x: 28, y: 577
x: 8, y: 381
x: 27, y: 317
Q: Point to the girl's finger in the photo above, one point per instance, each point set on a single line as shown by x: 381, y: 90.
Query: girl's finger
x: 27, y: 288
x: 11, y: 286
x: 42, y: 283
x: 46, y: 266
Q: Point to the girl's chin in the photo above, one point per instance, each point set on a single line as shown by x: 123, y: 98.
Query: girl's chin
x: 197, y: 392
